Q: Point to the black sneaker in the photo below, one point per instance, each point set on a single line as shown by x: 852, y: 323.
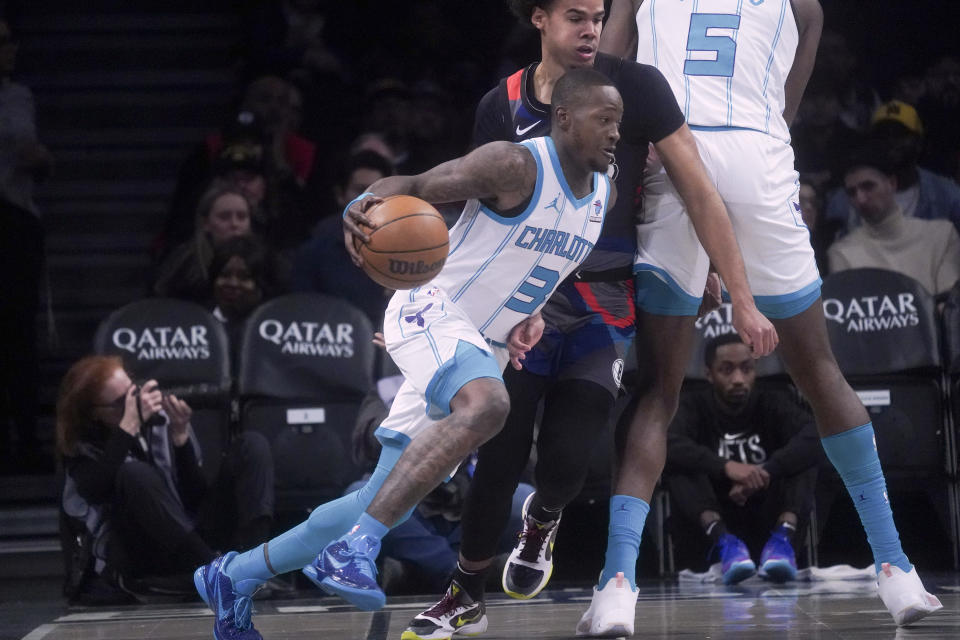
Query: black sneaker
x: 456, y: 614
x: 530, y: 564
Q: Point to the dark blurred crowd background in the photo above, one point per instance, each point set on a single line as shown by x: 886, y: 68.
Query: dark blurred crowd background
x: 312, y: 101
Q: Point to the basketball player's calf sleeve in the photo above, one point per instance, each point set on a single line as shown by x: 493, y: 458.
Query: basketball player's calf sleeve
x: 627, y: 517
x: 854, y: 455
x: 297, y: 547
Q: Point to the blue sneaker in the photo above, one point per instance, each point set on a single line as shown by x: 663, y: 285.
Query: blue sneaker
x: 735, y: 560
x: 349, y: 571
x: 778, y: 562
x: 232, y: 609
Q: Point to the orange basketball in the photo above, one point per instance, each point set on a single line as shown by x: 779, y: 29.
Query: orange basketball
x: 409, y: 245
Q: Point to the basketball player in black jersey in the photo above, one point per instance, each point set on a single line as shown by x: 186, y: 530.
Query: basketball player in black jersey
x: 576, y: 366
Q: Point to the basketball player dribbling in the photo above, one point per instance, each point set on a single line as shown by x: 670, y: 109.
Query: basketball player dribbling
x: 533, y: 214
x: 738, y: 70
x: 576, y: 366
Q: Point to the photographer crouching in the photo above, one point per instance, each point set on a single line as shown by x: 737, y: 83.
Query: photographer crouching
x: 136, y: 504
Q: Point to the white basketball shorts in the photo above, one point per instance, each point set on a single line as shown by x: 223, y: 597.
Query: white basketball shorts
x: 754, y: 174
x: 438, y: 349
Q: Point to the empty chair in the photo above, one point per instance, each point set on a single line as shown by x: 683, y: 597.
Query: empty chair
x: 306, y: 362
x: 883, y: 330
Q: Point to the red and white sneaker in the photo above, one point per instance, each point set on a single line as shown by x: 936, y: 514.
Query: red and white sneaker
x: 904, y: 595
x: 612, y: 611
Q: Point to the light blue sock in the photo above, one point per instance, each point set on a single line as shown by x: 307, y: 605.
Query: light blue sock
x: 627, y: 517
x: 366, y: 526
x: 297, y: 547
x: 854, y: 455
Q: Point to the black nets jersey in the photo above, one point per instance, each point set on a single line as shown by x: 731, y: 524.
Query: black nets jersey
x: 510, y: 111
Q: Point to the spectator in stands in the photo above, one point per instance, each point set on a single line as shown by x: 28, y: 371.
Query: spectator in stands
x: 244, y: 273
x: 837, y: 66
x: 23, y: 161
x: 819, y: 133
x: 135, y: 489
x: 897, y: 134
x: 260, y: 149
x: 426, y: 545
x: 745, y: 457
x: 322, y: 265
x: 224, y: 212
x: 275, y: 102
x: 376, y: 142
x: 434, y: 128
x: 926, y: 250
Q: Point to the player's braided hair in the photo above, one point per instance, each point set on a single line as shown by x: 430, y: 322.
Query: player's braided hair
x: 523, y: 9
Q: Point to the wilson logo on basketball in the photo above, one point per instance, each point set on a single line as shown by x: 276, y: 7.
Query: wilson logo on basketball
x: 310, y: 338
x: 164, y: 343
x: 405, y: 267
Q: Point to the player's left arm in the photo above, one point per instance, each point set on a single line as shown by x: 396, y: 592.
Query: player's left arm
x: 809, y: 17
x: 681, y: 159
x: 619, y: 35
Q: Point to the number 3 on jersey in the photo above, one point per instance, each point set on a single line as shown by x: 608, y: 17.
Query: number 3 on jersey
x: 536, y: 292
x: 725, y: 47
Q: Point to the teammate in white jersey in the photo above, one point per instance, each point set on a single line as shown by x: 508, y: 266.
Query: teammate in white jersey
x: 738, y: 70
x: 538, y: 208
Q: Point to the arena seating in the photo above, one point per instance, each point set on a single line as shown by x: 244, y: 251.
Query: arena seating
x: 884, y: 332
x: 306, y: 362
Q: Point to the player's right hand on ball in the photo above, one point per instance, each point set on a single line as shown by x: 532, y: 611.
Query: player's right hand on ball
x: 354, y: 220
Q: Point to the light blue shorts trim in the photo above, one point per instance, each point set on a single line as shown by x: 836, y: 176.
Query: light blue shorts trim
x: 791, y: 304
x: 788, y: 304
x: 657, y: 292
x: 469, y: 362
x: 396, y: 440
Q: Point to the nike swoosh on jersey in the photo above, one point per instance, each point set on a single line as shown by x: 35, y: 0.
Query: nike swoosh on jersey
x: 520, y: 131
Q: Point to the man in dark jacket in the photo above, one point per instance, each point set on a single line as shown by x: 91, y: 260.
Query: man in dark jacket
x: 738, y: 454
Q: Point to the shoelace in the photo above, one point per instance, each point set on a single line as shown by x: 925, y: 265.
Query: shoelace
x: 242, y: 607
x: 368, y: 568
x: 533, y: 538
x: 447, y: 603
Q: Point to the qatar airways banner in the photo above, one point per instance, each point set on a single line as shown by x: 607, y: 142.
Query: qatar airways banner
x: 174, y: 341
x: 879, y: 322
x: 299, y: 345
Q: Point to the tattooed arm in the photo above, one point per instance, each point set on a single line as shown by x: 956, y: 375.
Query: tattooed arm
x: 502, y: 174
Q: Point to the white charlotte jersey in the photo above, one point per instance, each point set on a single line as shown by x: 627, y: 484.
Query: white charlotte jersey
x: 726, y: 60
x: 501, y: 270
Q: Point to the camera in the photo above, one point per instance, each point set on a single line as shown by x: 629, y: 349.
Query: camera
x: 156, y: 420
